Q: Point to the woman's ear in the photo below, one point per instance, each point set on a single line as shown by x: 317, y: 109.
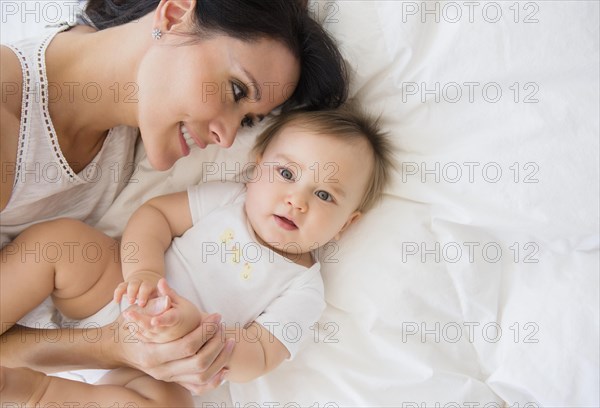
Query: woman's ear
x: 174, y: 15
x: 355, y: 216
x: 303, y: 4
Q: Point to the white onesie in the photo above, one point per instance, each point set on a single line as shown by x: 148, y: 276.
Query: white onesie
x: 218, y: 265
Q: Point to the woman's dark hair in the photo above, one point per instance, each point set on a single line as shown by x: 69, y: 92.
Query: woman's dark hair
x: 323, y: 79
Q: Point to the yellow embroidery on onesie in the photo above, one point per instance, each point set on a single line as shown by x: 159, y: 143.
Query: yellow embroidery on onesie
x: 227, y: 236
x: 246, y: 271
x: 235, y: 252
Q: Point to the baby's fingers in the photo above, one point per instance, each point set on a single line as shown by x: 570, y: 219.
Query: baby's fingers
x: 119, y: 292
x: 133, y: 288
x: 144, y: 292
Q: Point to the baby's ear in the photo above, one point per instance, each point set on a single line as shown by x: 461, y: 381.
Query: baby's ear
x: 355, y: 216
x: 251, y: 171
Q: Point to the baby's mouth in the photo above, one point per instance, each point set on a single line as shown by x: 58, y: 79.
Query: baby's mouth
x: 285, y: 223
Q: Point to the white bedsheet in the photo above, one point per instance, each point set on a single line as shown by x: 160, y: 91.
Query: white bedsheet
x: 476, y: 282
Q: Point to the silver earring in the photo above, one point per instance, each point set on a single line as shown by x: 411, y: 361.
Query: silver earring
x: 156, y: 34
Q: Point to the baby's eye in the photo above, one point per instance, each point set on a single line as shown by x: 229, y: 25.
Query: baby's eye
x: 286, y: 174
x: 239, y: 92
x: 324, y: 195
x: 247, y: 121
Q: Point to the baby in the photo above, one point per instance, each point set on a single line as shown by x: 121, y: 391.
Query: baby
x: 244, y: 250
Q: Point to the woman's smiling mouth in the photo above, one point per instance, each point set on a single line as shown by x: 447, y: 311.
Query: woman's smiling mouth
x: 187, y: 135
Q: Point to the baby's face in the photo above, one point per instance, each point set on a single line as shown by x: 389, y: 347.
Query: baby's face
x: 306, y: 189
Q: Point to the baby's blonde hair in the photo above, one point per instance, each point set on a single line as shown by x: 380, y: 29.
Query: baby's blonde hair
x: 346, y: 123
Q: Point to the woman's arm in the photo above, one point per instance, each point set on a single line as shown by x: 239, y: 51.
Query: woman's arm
x: 196, y: 361
x: 53, y: 350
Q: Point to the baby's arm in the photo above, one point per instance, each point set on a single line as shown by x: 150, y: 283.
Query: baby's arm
x: 147, y: 236
x: 257, y: 351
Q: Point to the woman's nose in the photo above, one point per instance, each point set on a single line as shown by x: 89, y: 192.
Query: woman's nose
x: 223, y: 133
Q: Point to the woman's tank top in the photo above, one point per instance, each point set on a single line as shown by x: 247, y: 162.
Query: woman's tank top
x: 45, y: 186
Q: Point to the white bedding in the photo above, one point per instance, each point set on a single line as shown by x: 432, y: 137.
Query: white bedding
x: 491, y: 223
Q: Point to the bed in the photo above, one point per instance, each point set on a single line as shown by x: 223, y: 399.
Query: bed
x: 475, y: 283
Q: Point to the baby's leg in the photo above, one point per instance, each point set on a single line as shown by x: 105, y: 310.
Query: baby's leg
x: 75, y: 263
x: 121, y: 387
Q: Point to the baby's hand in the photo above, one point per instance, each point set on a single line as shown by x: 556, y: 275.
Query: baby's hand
x: 139, y: 287
x: 163, y: 319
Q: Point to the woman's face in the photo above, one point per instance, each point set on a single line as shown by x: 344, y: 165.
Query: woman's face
x: 204, y: 91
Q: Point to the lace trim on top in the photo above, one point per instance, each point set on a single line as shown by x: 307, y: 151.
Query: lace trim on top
x: 24, y: 112
x: 49, y: 126
x: 43, y: 81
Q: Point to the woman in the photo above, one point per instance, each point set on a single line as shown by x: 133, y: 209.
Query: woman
x: 177, y: 71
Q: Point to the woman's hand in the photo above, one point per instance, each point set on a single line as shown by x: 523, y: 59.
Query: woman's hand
x: 197, y: 361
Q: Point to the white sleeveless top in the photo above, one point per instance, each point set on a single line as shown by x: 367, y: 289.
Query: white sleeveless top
x: 45, y: 187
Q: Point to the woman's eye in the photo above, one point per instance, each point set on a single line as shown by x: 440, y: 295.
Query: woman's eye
x: 324, y: 195
x: 247, y: 121
x: 286, y: 174
x: 239, y: 92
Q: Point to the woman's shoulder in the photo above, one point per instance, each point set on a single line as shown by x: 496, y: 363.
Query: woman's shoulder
x: 11, y: 77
